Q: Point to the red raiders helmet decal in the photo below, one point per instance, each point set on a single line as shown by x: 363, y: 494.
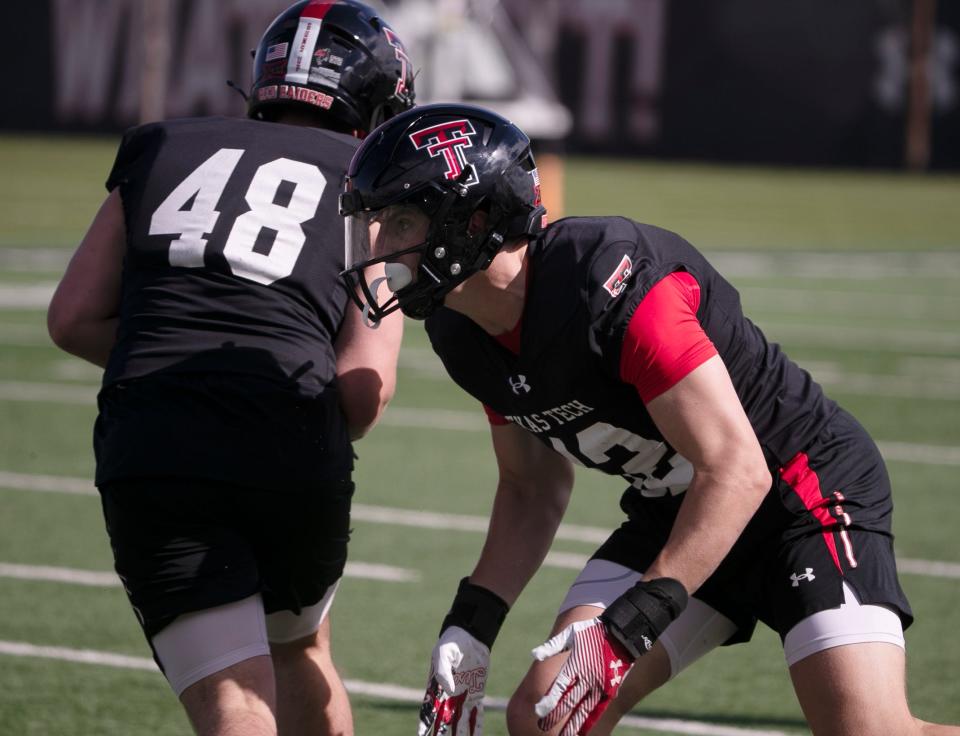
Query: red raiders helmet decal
x: 448, y: 140
x: 618, y: 279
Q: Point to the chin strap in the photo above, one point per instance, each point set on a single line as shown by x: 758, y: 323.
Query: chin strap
x: 233, y: 86
x: 373, y: 324
x: 396, y: 277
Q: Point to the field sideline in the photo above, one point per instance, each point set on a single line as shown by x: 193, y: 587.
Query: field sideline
x: 857, y: 274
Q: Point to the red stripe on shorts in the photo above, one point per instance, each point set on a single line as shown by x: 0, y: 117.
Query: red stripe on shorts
x: 804, y: 481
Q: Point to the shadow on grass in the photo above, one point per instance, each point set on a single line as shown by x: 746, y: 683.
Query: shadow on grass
x: 717, y: 719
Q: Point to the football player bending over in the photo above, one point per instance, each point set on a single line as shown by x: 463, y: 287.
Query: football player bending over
x: 751, y: 496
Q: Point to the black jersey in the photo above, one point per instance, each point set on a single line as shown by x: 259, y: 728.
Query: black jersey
x: 224, y: 364
x: 587, y: 277
x: 233, y: 239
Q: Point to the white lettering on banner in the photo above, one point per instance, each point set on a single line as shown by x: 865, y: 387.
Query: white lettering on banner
x: 90, y: 52
x: 87, y: 56
x: 86, y: 44
x: 201, y: 63
x: 641, y: 22
x: 892, y: 80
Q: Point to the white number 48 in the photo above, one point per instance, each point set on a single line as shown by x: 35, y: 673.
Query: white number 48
x: 205, y: 185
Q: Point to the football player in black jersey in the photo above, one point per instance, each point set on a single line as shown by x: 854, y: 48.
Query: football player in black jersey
x: 236, y: 376
x: 615, y: 345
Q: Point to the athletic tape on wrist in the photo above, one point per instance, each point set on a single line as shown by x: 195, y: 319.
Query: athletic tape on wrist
x: 638, y: 617
x: 478, y: 611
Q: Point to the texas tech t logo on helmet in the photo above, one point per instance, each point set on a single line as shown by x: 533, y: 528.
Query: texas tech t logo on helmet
x: 400, y: 53
x: 449, y: 139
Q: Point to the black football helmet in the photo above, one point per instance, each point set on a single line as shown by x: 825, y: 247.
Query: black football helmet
x: 448, y: 161
x: 340, y: 58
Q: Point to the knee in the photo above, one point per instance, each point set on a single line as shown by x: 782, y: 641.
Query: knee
x: 521, y: 718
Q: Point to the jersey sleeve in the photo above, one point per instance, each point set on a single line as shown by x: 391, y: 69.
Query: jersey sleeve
x: 495, y: 418
x: 664, y: 341
x: 133, y: 151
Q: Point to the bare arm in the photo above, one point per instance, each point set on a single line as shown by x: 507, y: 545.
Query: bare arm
x: 82, y: 318
x: 702, y: 418
x: 367, y: 368
x: 532, y: 494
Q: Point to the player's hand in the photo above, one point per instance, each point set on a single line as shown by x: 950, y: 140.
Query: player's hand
x: 588, y: 680
x: 453, y: 702
x: 601, y: 652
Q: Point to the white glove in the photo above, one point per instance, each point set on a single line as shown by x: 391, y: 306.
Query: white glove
x: 455, y: 687
x: 588, y: 680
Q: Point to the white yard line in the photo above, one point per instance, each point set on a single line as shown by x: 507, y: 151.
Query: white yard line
x: 842, y: 266
x: 23, y: 335
x: 929, y: 568
x: 818, y: 302
x: 52, y: 483
x: 35, y: 260
x: 57, y: 393
x: 828, y: 375
x: 906, y: 452
x: 879, y: 339
x: 439, y: 521
x: 72, y: 576
x: 923, y: 454
x: 359, y: 511
x: 67, y: 575
x: 381, y: 690
x: 850, y: 265
x: 26, y: 296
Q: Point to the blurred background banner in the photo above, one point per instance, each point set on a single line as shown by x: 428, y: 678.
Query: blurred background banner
x: 854, y: 83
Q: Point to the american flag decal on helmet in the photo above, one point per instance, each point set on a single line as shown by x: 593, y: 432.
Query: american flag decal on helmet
x: 277, y: 51
x: 618, y: 279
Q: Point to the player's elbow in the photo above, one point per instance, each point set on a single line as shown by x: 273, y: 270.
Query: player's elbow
x: 361, y: 419
x: 364, y: 396
x: 756, y: 475
x: 762, y: 480
x: 743, y: 473
x: 62, y: 326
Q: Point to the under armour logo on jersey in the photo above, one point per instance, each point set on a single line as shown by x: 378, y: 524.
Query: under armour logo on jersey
x: 618, y: 279
x: 519, y: 384
x: 808, y: 575
x: 616, y: 665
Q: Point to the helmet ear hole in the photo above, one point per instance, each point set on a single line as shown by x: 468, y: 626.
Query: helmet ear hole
x: 477, y: 223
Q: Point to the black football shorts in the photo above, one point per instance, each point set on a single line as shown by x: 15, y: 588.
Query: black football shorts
x: 826, y: 520
x: 183, y: 545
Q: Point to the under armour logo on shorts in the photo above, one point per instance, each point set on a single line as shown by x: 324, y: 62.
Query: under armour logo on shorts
x: 808, y: 575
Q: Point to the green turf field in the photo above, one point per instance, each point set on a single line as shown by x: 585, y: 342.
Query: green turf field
x: 857, y: 274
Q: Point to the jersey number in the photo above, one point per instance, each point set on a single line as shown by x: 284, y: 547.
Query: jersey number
x: 190, y: 212
x: 652, y: 467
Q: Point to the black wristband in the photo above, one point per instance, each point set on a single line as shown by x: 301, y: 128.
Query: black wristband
x: 638, y: 617
x: 478, y: 611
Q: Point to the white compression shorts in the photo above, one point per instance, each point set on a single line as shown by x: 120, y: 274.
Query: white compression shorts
x: 199, y: 644
x: 701, y: 628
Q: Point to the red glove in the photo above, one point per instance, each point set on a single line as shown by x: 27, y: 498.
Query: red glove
x: 589, y: 679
